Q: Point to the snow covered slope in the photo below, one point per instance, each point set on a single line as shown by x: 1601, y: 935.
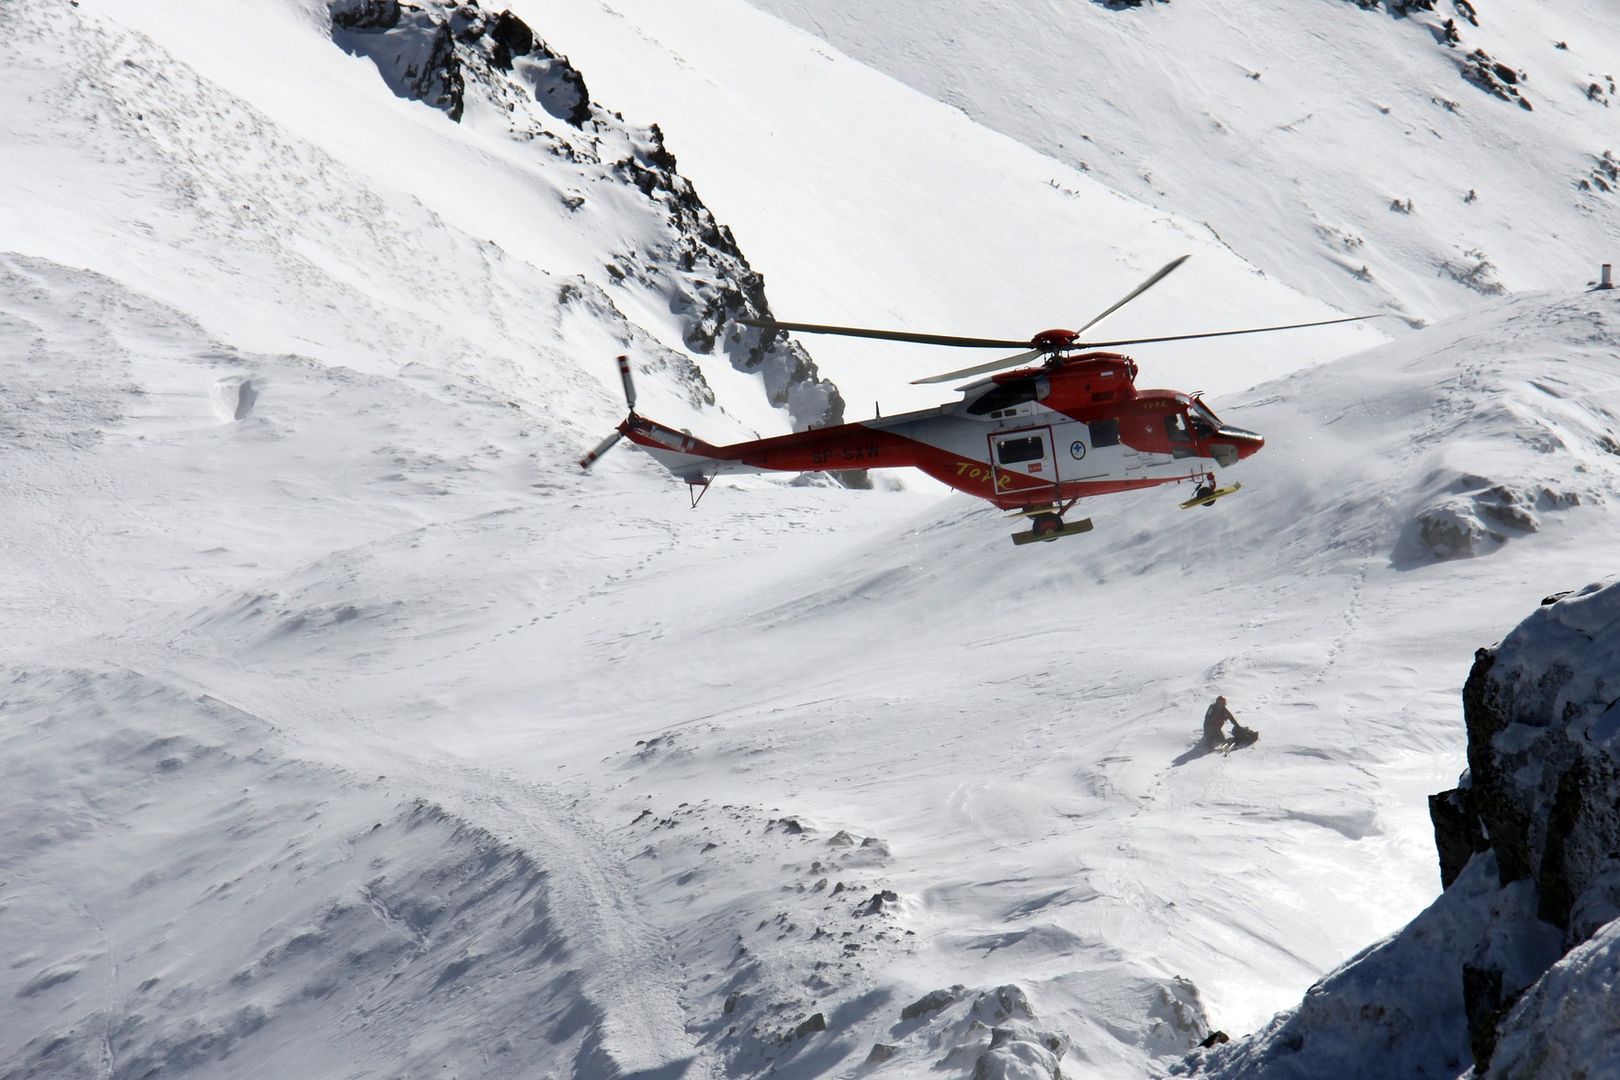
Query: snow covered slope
x: 349, y: 730
x: 866, y: 203
x: 663, y: 748
x: 1405, y: 156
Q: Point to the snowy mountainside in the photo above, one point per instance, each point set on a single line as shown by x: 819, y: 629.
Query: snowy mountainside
x: 1386, y: 156
x: 867, y: 203
x: 1026, y: 865
x: 285, y: 212
x: 348, y: 729
x: 646, y: 759
x: 206, y: 906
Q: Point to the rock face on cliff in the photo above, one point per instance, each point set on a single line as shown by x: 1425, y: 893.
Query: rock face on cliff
x: 1542, y: 793
x: 463, y: 60
x: 1511, y: 970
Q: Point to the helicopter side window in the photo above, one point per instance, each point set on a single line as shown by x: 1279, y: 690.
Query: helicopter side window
x: 1175, y: 426
x: 1104, y: 433
x: 1015, y: 451
x: 1008, y: 395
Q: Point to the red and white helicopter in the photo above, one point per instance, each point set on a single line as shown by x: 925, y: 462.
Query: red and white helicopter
x: 1034, y: 441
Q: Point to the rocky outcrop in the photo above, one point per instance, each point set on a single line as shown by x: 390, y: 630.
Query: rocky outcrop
x: 456, y: 57
x: 1542, y: 792
x: 1543, y: 716
x: 1478, y: 516
x: 1477, y: 66
x: 1512, y: 967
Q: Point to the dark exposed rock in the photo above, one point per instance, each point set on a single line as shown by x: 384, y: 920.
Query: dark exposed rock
x: 879, y: 903
x: 881, y: 1052
x: 816, y: 1022
x: 1484, y: 1003
x: 365, y: 14
x: 1457, y: 832
x: 932, y: 1001
x: 1542, y: 710
x: 1494, y: 77
x: 1605, y: 175
x: 414, y: 50
x: 511, y: 37
x: 1477, y: 67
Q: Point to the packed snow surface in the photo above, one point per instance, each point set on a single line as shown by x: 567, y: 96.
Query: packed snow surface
x: 349, y: 730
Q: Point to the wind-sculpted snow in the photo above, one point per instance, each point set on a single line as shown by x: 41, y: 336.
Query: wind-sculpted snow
x: 1495, y: 427
x: 183, y: 899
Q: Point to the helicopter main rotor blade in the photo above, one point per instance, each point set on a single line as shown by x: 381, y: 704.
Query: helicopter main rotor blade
x: 980, y: 369
x: 887, y: 335
x: 1158, y: 276
x: 1217, y: 333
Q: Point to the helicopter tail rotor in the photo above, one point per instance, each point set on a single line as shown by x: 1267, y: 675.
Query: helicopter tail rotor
x: 630, y: 400
x: 601, y: 448
x: 629, y: 383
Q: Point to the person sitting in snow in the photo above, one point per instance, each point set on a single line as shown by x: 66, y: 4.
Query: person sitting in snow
x: 1216, y: 718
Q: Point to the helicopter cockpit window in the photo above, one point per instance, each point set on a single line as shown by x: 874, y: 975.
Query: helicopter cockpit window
x: 1008, y: 395
x: 1175, y: 426
x: 1104, y: 433
x: 1014, y: 451
x: 1204, y: 422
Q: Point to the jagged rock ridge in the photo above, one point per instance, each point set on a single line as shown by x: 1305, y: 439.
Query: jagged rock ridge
x: 456, y: 56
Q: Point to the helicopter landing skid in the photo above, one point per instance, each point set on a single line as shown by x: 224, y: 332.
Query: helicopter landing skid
x: 1207, y: 496
x: 1043, y: 529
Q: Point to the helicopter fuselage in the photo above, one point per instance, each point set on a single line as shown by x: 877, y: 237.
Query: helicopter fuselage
x: 1035, y: 437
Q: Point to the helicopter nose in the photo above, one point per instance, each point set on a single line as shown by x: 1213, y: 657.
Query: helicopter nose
x: 1243, y: 443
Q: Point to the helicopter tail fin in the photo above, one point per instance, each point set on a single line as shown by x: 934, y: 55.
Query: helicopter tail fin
x: 691, y: 459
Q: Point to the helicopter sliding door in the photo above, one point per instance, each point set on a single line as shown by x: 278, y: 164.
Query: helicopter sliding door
x: 1023, y: 460
x: 1086, y: 451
